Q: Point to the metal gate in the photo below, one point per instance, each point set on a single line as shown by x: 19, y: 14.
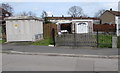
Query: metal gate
x: 77, y: 40
x: 98, y: 39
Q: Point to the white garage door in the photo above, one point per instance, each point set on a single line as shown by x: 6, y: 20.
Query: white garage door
x: 82, y: 27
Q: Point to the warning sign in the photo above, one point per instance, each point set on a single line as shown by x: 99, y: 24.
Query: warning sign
x: 15, y: 26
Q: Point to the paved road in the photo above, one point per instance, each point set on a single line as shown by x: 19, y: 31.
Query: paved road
x: 13, y: 62
x: 63, y: 50
x: 0, y: 59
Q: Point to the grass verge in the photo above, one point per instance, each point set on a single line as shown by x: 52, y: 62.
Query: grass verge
x: 44, y: 42
x: 105, y: 41
x: 118, y: 42
x: 2, y: 41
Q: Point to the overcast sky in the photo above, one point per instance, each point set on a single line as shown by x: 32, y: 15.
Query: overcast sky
x: 61, y: 8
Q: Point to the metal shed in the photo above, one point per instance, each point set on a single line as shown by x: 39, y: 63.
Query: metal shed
x: 24, y: 28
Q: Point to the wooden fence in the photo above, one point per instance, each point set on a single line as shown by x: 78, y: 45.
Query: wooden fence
x: 104, y: 27
x: 47, y: 30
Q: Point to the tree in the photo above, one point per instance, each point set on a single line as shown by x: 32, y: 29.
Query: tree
x: 84, y: 15
x: 29, y: 13
x: 76, y: 11
x: 99, y: 13
x: 23, y: 14
x: 44, y: 14
x: 7, y: 7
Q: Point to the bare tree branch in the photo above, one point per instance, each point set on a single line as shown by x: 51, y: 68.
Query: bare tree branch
x: 7, y: 7
x: 76, y: 11
x: 44, y: 14
x: 98, y: 14
x: 30, y: 13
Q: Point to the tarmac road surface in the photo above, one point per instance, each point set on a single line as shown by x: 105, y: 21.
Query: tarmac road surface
x: 17, y: 62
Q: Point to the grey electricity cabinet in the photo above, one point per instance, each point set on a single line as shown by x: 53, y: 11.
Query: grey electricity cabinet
x: 24, y: 28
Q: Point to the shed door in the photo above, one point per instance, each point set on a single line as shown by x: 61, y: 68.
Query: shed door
x: 82, y: 27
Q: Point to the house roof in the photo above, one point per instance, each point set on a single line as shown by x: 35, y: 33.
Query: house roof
x: 116, y: 13
x: 70, y: 18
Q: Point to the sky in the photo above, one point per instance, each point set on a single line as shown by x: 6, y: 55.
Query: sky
x: 59, y: 0
x: 61, y: 8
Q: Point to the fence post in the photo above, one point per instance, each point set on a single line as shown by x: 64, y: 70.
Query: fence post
x: 74, y: 36
x: 53, y: 36
x: 97, y: 39
x: 114, y: 42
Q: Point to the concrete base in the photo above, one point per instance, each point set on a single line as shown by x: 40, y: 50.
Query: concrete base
x: 114, y: 42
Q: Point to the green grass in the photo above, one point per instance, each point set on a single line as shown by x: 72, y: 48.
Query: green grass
x: 2, y: 41
x: 44, y: 42
x: 118, y: 42
x: 105, y: 41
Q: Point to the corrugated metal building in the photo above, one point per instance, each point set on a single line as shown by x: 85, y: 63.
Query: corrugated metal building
x: 24, y: 28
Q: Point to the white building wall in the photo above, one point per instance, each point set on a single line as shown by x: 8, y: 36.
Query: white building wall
x: 27, y: 32
x: 8, y: 31
x: 40, y: 29
x: 19, y: 33
x: 118, y: 25
x: 32, y: 28
x: 36, y: 30
x: 90, y: 25
x: 23, y: 30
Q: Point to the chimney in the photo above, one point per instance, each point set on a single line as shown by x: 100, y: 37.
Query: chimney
x: 52, y: 15
x: 110, y: 9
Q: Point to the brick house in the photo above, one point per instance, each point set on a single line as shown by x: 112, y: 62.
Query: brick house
x: 111, y: 17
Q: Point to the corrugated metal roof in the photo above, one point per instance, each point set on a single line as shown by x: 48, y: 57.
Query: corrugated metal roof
x: 70, y: 18
x: 23, y: 18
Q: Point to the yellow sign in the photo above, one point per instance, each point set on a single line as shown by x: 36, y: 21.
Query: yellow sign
x: 15, y: 25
